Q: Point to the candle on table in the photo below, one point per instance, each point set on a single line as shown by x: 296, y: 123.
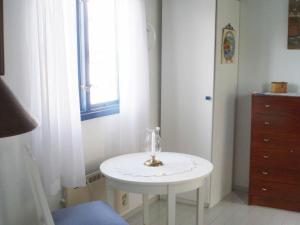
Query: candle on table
x: 153, y: 143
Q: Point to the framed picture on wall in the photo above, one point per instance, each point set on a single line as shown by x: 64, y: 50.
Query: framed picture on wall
x: 1, y: 39
x: 294, y: 25
x: 228, y: 45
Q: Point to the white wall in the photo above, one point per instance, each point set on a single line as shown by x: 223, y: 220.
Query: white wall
x: 224, y: 104
x: 100, y: 135
x: 264, y: 58
x: 153, y: 13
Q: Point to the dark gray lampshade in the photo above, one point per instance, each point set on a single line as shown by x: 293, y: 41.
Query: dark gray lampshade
x: 14, y: 119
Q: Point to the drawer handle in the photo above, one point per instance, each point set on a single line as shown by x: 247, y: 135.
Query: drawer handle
x: 264, y: 189
x: 267, y: 123
x: 265, y: 173
x: 266, y: 156
x: 267, y: 106
x: 266, y: 140
x: 292, y: 151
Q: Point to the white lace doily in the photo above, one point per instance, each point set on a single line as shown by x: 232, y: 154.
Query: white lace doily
x: 171, y: 165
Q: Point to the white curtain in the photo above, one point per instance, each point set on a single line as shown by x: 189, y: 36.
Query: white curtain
x: 53, y: 85
x: 54, y: 100
x: 133, y: 74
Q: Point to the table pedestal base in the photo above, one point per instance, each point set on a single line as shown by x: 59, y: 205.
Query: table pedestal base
x: 171, y: 203
x: 146, y: 210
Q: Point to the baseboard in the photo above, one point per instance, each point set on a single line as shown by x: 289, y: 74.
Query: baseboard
x: 129, y: 213
x: 240, y: 188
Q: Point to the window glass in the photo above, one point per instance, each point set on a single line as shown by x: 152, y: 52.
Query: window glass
x: 102, y: 51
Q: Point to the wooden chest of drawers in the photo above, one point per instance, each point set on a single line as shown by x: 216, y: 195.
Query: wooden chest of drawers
x: 275, y: 152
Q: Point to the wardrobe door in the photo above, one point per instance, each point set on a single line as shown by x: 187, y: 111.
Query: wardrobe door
x: 188, y: 43
x: 188, y: 48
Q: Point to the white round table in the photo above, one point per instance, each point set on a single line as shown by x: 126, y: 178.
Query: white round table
x: 179, y: 173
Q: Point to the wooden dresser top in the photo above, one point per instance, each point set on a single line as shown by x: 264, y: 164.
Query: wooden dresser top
x: 276, y: 94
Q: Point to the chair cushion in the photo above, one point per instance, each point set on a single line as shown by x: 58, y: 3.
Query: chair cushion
x: 92, y: 213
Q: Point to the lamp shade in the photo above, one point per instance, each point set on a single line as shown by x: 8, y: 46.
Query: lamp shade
x: 14, y: 119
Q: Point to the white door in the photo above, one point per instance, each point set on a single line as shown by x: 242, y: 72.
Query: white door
x: 188, y: 47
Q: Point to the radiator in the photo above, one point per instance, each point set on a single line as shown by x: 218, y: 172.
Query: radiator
x: 94, y: 190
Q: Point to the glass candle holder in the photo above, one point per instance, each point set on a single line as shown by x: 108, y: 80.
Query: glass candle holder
x: 152, y: 146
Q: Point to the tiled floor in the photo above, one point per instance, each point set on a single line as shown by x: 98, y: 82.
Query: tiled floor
x: 233, y: 210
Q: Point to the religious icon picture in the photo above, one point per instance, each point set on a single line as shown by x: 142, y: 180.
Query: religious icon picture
x: 228, y: 45
x: 294, y: 25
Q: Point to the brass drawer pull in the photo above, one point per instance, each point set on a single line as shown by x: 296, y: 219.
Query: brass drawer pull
x: 267, y: 106
x: 264, y: 189
x: 267, y: 123
x: 292, y: 151
x: 266, y: 140
x: 266, y: 156
x: 264, y: 173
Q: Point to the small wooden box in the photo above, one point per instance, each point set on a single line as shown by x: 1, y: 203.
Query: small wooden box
x: 279, y: 87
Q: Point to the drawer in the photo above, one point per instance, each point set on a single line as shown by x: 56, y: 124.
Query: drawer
x: 281, y: 105
x: 274, y: 203
x: 277, y: 159
x: 272, y: 123
x: 275, y: 140
x: 275, y: 190
x: 280, y: 175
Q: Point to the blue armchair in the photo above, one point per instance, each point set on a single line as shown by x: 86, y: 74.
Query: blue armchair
x: 93, y: 213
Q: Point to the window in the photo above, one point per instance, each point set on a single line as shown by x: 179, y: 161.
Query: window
x: 98, y: 59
